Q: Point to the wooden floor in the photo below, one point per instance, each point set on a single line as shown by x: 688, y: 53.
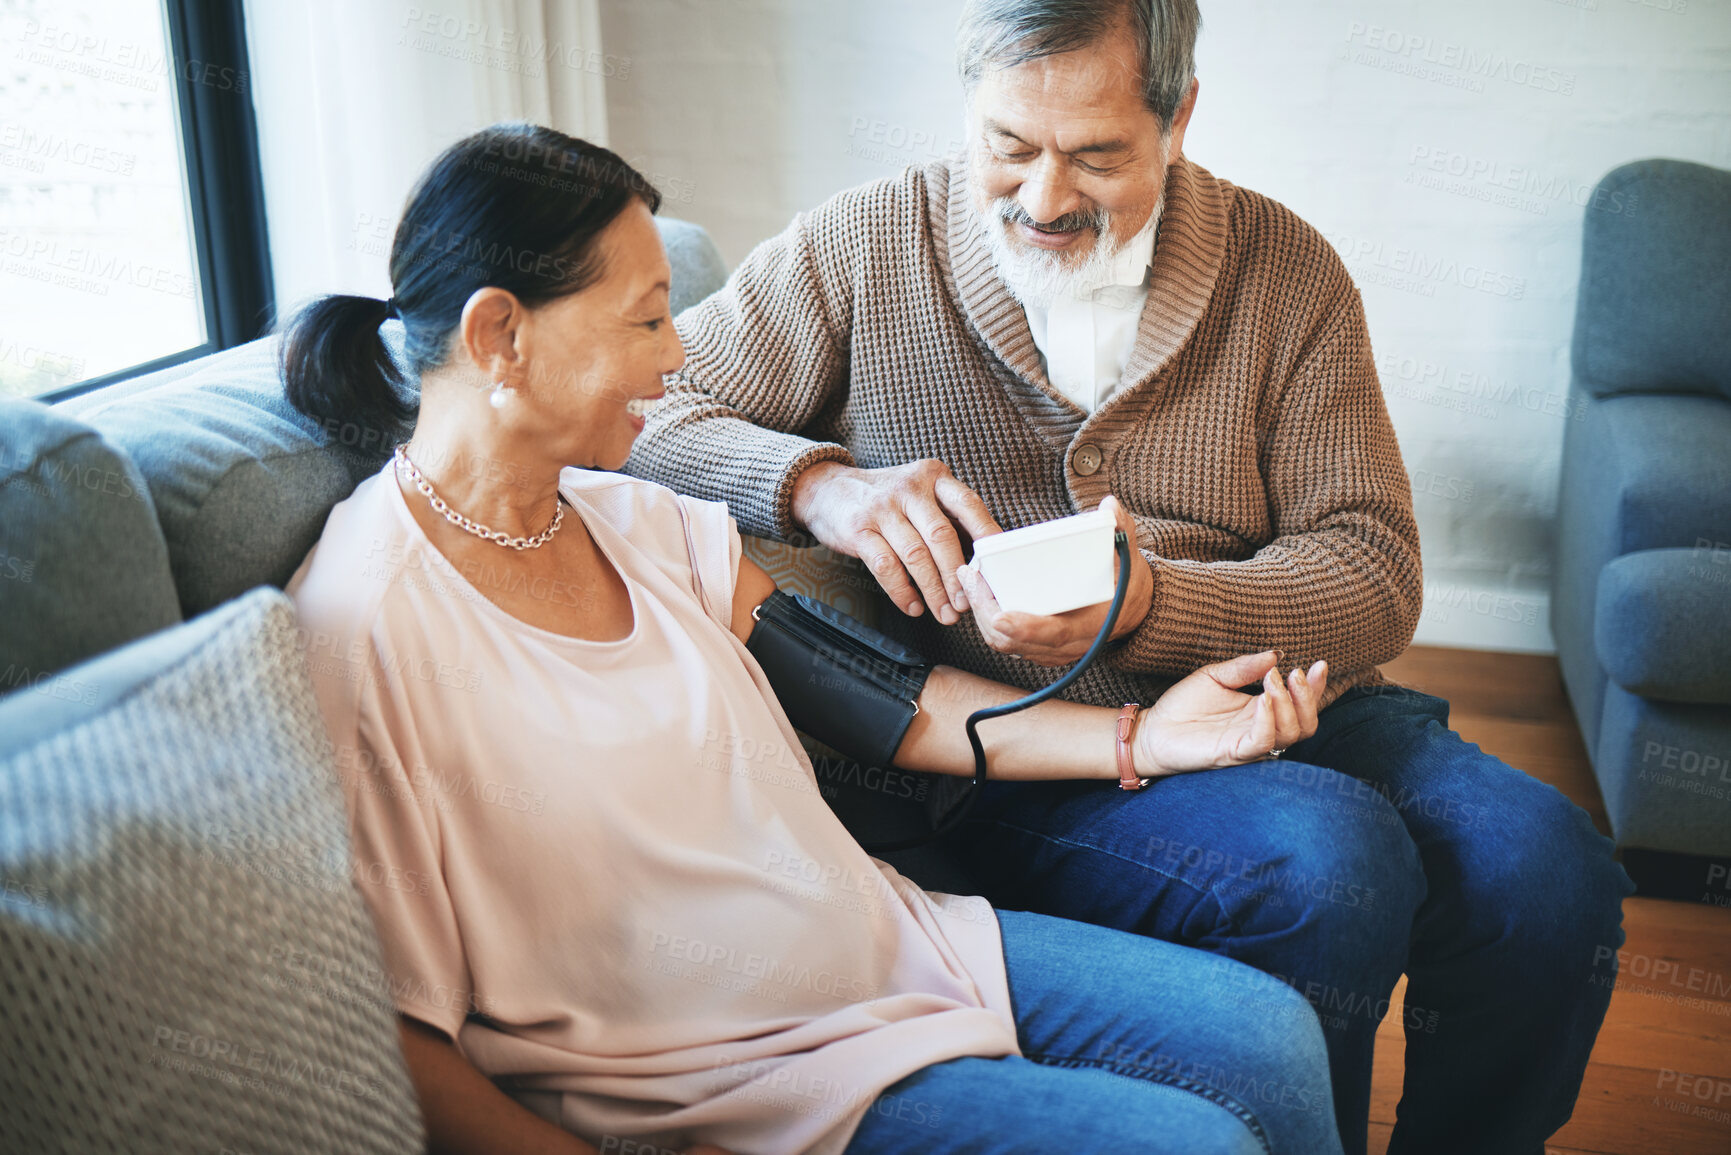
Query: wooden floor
x: 1660, y: 1078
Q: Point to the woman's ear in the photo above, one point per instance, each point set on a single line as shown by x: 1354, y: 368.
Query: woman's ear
x: 490, y: 332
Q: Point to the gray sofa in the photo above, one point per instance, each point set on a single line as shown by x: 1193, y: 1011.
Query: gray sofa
x: 1642, y: 602
x: 186, y: 962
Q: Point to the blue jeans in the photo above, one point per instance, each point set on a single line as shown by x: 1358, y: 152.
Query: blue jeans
x: 1382, y: 844
x: 1127, y: 1048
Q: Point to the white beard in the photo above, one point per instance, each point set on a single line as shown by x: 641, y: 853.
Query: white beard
x: 1037, y: 278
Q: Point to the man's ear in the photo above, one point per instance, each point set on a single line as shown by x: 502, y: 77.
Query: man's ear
x: 1181, y: 121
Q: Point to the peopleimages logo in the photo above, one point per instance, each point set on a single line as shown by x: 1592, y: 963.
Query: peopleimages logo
x: 750, y: 965
x: 122, y: 62
x: 1469, y: 391
x: 1415, y: 270
x: 224, y: 1059
x: 32, y: 358
x: 42, y: 147
x: 1440, y: 598
x: 87, y: 269
x: 1426, y: 57
x: 1517, y: 186
x: 508, y: 43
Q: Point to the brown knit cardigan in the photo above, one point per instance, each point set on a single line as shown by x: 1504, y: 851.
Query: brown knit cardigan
x: 1251, y: 443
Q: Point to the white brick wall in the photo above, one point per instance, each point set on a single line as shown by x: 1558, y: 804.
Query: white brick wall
x: 1449, y: 148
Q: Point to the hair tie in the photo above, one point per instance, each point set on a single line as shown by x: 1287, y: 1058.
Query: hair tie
x: 391, y: 309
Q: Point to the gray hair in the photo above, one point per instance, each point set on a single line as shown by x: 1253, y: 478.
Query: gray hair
x: 1005, y: 33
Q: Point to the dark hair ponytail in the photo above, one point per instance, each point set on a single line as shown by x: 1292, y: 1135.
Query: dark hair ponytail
x: 339, y: 372
x: 514, y: 206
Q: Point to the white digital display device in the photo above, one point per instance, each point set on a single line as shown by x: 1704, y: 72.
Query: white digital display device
x: 1051, y: 567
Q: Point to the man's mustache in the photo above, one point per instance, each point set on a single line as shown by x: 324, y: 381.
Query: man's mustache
x: 1013, y: 213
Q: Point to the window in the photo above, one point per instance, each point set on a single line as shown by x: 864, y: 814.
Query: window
x: 131, y: 217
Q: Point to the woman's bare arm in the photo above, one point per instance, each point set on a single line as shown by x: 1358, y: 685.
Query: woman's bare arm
x: 465, y: 1113
x: 1200, y: 723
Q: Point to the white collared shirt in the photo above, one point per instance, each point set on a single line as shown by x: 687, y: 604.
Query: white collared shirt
x: 1086, y: 339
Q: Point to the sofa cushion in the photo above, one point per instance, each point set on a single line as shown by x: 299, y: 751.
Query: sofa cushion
x: 241, y: 480
x: 83, y: 567
x: 1656, y: 281
x: 1662, y: 625
x: 187, y: 965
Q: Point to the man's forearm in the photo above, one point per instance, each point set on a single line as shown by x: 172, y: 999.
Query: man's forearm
x: 1352, y: 599
x: 701, y: 447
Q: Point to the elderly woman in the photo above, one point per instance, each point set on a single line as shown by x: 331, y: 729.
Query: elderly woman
x: 616, y: 911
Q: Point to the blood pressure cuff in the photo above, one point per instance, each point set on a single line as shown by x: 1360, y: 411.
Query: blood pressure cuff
x: 842, y: 682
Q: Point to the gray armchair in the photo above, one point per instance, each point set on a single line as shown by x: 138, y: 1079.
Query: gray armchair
x: 1641, y: 608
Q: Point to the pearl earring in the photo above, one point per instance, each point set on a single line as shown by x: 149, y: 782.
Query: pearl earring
x: 498, y: 397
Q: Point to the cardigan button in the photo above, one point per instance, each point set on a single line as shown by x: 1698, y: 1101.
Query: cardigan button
x: 1087, y: 459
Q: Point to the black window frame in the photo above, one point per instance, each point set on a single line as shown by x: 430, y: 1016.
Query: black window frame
x: 224, y: 183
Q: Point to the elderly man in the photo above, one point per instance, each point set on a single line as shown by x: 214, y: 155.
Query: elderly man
x: 1074, y: 310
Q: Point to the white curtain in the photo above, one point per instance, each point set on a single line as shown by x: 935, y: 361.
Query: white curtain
x: 355, y: 97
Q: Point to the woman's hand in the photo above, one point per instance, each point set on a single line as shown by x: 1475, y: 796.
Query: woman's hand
x: 1204, y: 721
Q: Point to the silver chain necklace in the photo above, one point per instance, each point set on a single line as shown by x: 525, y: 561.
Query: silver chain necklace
x: 493, y: 535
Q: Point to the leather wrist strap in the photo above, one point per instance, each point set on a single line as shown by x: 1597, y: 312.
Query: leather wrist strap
x: 1127, y: 778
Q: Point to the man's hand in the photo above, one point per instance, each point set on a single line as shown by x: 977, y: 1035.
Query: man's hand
x: 899, y: 522
x: 1204, y: 721
x: 1059, y: 639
